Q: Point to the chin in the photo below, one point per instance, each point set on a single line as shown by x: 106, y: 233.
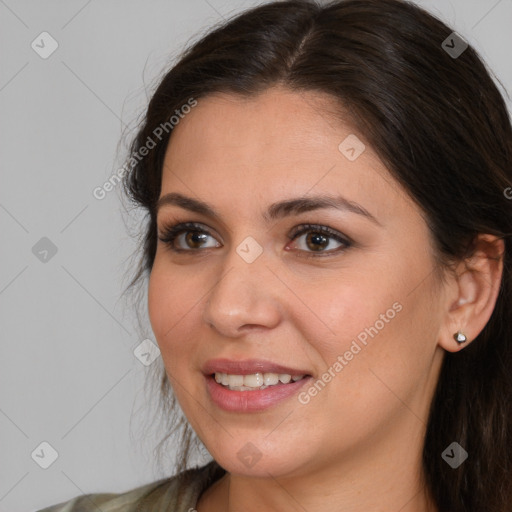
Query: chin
x: 253, y: 460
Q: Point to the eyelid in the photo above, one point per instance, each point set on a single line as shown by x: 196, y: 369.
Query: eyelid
x: 172, y: 223
x: 321, y: 228
x: 174, y: 229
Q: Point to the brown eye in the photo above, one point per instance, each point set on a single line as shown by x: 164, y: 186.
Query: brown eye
x: 191, y: 236
x: 195, y: 237
x: 318, y: 239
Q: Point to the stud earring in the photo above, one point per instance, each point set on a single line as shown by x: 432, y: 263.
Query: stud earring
x: 460, y: 337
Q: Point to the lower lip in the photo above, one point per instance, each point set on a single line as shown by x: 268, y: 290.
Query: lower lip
x: 251, y: 401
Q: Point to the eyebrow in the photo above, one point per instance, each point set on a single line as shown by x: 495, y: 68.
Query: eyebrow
x: 275, y: 211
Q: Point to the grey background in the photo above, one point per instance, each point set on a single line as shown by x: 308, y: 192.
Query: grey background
x: 68, y: 373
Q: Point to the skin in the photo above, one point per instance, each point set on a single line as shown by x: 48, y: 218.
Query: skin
x: 356, y: 446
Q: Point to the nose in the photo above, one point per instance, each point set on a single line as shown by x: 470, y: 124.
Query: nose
x: 244, y: 297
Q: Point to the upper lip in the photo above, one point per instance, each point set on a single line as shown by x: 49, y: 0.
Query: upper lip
x: 247, y: 367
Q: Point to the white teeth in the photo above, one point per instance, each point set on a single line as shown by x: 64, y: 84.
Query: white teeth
x: 250, y: 381
x: 254, y: 381
x: 270, y: 379
x: 236, y: 380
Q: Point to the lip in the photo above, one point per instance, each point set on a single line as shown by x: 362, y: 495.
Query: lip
x: 247, y: 367
x: 251, y: 401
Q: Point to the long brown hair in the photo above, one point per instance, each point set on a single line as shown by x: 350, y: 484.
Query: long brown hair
x: 439, y: 123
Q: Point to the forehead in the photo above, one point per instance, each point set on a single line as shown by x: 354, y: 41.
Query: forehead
x: 280, y: 143
x: 277, y: 119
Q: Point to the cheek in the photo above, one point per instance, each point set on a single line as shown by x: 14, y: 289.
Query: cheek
x: 159, y: 301
x: 338, y: 310
x: 171, y: 306
x: 174, y: 306
x: 372, y: 321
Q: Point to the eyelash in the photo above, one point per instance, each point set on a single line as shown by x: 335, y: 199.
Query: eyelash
x: 171, y: 232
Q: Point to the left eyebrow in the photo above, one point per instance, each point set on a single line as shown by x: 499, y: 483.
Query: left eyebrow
x: 276, y: 210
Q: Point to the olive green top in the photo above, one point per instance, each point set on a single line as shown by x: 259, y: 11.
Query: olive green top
x: 160, y: 496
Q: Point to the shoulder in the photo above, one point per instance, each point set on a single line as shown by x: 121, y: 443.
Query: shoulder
x: 180, y: 492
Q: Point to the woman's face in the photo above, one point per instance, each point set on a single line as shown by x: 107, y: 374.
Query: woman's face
x: 361, y: 319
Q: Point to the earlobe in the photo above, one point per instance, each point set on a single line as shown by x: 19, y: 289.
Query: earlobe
x: 476, y: 288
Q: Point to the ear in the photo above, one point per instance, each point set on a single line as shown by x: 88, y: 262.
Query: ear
x: 472, y: 292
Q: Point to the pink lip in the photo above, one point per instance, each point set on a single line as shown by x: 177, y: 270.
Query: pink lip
x: 251, y: 401
x: 247, y: 367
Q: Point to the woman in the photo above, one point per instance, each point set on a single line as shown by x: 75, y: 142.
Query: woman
x: 328, y: 254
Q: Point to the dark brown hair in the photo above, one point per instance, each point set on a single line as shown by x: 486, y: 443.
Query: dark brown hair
x: 439, y: 124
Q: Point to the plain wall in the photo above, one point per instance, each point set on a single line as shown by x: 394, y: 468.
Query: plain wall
x: 68, y: 373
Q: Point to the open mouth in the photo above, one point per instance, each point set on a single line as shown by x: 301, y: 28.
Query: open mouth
x: 255, y: 381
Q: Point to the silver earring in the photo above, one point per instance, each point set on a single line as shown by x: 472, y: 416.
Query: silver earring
x: 460, y: 337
